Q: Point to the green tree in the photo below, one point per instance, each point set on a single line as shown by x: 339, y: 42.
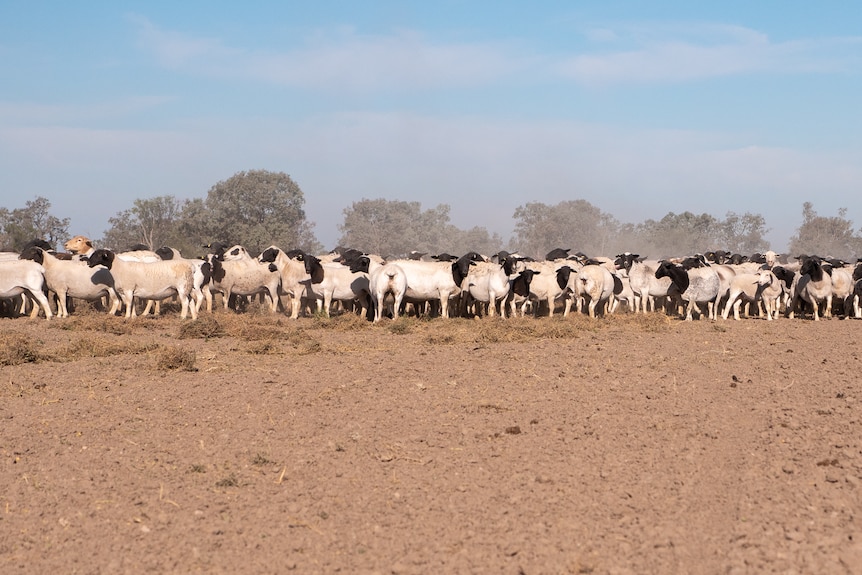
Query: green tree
x: 743, y: 234
x: 678, y: 234
x: 153, y: 222
x: 33, y: 221
x: 477, y: 239
x: 576, y: 225
x: 825, y: 236
x: 256, y: 209
x: 395, y: 228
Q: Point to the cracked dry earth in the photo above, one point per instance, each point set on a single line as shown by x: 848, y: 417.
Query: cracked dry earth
x: 529, y: 446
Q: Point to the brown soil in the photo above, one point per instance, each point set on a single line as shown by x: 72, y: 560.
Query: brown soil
x: 253, y: 444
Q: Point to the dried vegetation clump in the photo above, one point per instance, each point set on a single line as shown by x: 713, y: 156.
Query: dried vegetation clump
x: 101, y: 346
x: 98, y: 321
x: 16, y: 349
x: 649, y: 322
x: 263, y: 348
x: 98, y: 335
x: 341, y: 322
x: 205, y: 327
x: 253, y: 328
x: 172, y: 358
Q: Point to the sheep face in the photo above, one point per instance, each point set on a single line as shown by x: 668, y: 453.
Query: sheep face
x: 101, y: 258
x: 33, y: 253
x: 268, y: 255
x: 677, y: 275
x: 78, y: 245
x: 236, y: 253
x: 625, y: 261
x: 764, y: 278
x: 812, y: 268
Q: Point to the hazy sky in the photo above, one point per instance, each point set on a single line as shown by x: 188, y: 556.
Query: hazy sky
x: 640, y: 108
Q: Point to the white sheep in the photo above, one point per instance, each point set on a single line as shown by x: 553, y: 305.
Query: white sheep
x: 384, y: 279
x: 203, y: 275
x: 573, y: 289
x: 519, y: 293
x: 598, y: 284
x: 74, y: 279
x: 488, y: 284
x: 747, y: 287
x: 240, y: 274
x: 842, y: 288
x: 547, y: 284
x: 335, y: 281
x: 812, y: 285
x: 771, y: 294
x: 293, y: 277
x: 148, y: 280
x: 625, y: 295
x: 643, y: 281
x: 696, y: 285
x: 24, y: 277
x: 438, y: 281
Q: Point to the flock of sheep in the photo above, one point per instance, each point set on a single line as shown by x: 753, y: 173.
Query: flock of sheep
x: 444, y: 285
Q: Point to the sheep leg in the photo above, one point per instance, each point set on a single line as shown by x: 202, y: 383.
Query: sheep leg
x: 566, y: 309
x: 62, y: 310
x: 184, y: 306
x: 592, y: 308
x: 43, y: 302
x: 128, y: 299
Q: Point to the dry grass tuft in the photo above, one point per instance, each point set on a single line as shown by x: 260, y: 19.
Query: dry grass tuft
x: 347, y: 321
x: 84, y: 347
x: 308, y: 345
x: 441, y: 338
x: 96, y: 321
x: 260, y: 459
x: 228, y: 481
x: 498, y: 330
x: 263, y: 348
x: 528, y: 329
x: 402, y: 325
x: 16, y: 349
x: 251, y: 332
x: 205, y: 327
x: 176, y: 358
x: 650, y: 322
x: 252, y: 328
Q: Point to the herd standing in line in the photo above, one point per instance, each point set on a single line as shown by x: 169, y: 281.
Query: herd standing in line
x: 710, y: 284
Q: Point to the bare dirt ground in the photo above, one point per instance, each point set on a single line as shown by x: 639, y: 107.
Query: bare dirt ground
x: 252, y: 444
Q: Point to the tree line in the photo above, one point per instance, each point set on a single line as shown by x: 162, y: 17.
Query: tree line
x: 258, y: 208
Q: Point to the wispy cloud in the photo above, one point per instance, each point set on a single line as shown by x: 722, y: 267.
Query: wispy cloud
x: 174, y: 49
x: 342, y: 59
x: 36, y: 114
x: 676, y: 53
x: 339, y: 59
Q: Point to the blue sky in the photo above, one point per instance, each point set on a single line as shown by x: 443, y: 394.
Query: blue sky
x: 641, y: 108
